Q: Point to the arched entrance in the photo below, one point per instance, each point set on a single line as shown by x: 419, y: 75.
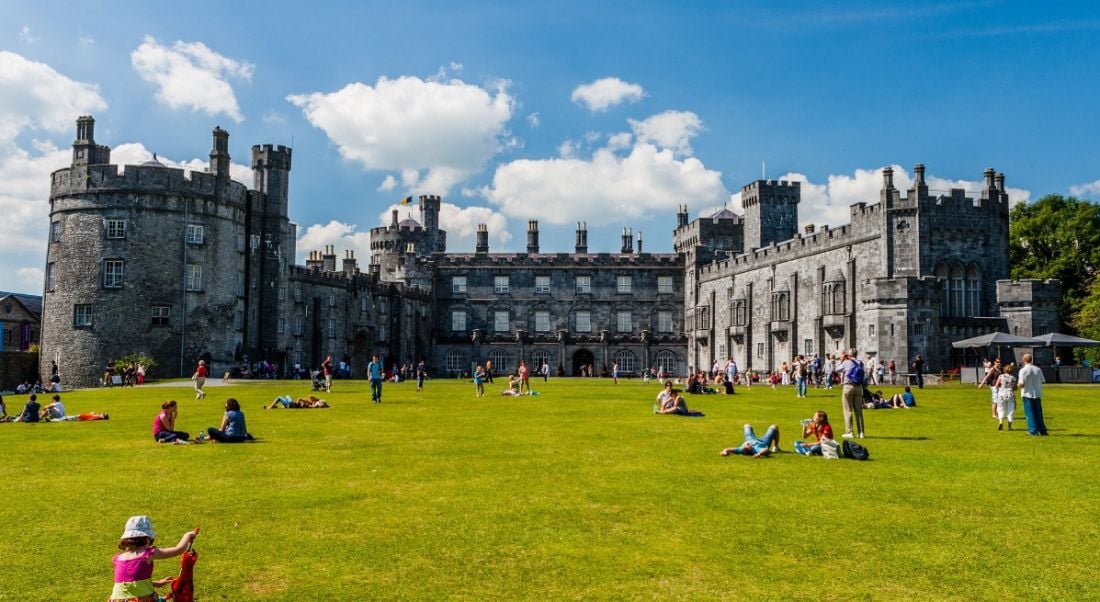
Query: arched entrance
x: 582, y: 357
x: 360, y: 355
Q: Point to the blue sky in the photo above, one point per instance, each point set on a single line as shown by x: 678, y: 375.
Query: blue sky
x: 611, y: 114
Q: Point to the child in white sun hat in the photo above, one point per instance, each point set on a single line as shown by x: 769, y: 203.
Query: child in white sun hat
x: 134, y: 563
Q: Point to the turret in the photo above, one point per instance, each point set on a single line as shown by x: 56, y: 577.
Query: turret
x: 270, y: 170
x: 681, y: 216
x: 628, y: 242
x: 219, y: 155
x: 920, y: 187
x: 436, y: 241
x: 771, y: 212
x: 481, y: 243
x: 85, y: 150
x: 532, y: 237
x: 582, y: 238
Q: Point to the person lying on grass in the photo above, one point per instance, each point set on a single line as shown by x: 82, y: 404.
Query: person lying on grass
x: 134, y: 563
x: 299, y: 404
x: 675, y: 404
x: 817, y: 427
x: 754, y: 446
x: 55, y: 412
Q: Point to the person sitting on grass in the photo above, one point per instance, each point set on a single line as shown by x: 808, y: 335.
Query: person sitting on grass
x: 817, y: 427
x: 134, y: 563
x: 666, y: 394
x: 164, y: 425
x: 233, y: 428
x: 299, y: 404
x: 903, y: 400
x: 674, y: 404
x: 754, y: 446
x: 513, y: 386
x: 30, y: 411
x: 3, y: 408
x: 55, y: 412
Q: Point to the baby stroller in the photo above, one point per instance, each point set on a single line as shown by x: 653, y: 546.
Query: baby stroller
x: 318, y: 380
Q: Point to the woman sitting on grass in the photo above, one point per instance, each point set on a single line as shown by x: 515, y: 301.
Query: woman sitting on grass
x: 817, y: 427
x: 232, y: 429
x: 164, y: 425
x: 300, y: 404
x: 674, y: 404
x: 513, y: 386
x: 754, y: 446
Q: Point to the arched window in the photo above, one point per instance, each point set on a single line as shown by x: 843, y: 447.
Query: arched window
x: 625, y: 359
x: 666, y: 362
x: 958, y: 292
x: 839, y: 306
x: 538, y: 358
x: 500, y: 361
x: 973, y: 291
x: 456, y: 361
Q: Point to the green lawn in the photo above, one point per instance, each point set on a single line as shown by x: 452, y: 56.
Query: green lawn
x: 578, y: 493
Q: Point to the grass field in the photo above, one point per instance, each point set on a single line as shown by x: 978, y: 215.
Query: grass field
x: 578, y: 493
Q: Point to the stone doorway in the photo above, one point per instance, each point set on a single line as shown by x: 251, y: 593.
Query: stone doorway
x: 360, y: 355
x: 582, y: 357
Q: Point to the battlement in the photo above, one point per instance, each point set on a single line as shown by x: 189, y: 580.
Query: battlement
x: 274, y: 156
x: 144, y: 179
x: 557, y: 260
x: 1028, y: 291
x: 771, y: 191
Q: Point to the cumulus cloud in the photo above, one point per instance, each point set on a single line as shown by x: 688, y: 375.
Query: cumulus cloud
x: 26, y: 35
x: 388, y: 184
x: 191, y: 75
x: 1090, y: 190
x: 35, y: 96
x: 274, y: 118
x: 450, y: 130
x: 533, y: 120
x: 338, y: 234
x: 135, y: 153
x: 671, y: 129
x: 604, y: 93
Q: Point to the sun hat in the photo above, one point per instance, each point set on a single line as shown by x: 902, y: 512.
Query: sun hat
x: 139, y: 526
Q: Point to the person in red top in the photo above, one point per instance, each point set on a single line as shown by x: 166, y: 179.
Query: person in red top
x: 817, y: 427
x: 524, y: 377
x: 200, y: 379
x: 326, y: 367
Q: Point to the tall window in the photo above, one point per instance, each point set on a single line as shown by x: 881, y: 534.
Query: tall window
x: 623, y: 322
x: 160, y: 314
x: 282, y: 293
x: 500, y: 284
x: 458, y: 285
x: 298, y: 326
x: 331, y: 328
x: 626, y: 360
x: 193, y: 278
x: 332, y: 299
x: 542, y: 284
x: 958, y: 288
x: 760, y: 350
x: 740, y: 312
x: 238, y: 321
x: 584, y: 285
x: 500, y: 361
x: 116, y: 228
x: 82, y: 315
x: 664, y: 285
x: 50, y: 268
x: 195, y: 234
x: 538, y: 358
x: 280, y: 326
x: 622, y: 284
x: 542, y: 321
x: 666, y: 362
x: 500, y: 321
x: 458, y: 321
x: 112, y: 273
x: 584, y: 321
x: 455, y: 361
x: 297, y: 294
x: 808, y: 347
x: 704, y: 317
x: 973, y: 291
x: 55, y: 232
x: 664, y: 321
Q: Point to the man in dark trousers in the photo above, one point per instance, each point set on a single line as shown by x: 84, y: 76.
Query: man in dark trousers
x: 918, y: 371
x: 374, y: 373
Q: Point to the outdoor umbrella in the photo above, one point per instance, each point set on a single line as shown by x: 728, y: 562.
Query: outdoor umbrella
x: 1057, y: 339
x: 997, y: 338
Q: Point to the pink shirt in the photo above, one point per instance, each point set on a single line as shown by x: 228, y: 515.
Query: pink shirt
x: 158, y: 424
x: 138, y: 568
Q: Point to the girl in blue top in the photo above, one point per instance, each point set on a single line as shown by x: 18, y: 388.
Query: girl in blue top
x: 232, y: 428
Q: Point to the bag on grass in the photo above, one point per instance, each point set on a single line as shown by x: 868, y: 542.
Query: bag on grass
x: 830, y: 449
x: 855, y: 451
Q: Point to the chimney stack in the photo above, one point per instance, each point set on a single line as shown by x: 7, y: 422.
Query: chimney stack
x: 481, y: 244
x: 532, y: 237
x: 329, y: 259
x: 349, y: 263
x: 582, y: 238
x: 628, y: 242
x: 989, y: 173
x: 682, y: 216
x: 393, y: 223
x: 999, y: 180
x: 639, y: 242
x: 887, y: 178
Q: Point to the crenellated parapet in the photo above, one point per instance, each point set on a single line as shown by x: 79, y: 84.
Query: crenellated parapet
x: 552, y: 260
x: 142, y: 179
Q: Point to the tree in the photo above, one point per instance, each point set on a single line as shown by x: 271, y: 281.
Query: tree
x: 1058, y: 237
x: 1087, y: 322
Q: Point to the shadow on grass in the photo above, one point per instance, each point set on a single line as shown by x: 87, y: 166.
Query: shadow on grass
x: 901, y: 438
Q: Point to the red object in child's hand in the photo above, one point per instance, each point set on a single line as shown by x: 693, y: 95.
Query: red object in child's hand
x: 183, y: 586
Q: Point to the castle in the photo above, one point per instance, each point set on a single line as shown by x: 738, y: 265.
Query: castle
x: 197, y: 266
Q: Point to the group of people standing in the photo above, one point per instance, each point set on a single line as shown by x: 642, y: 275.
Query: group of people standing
x: 1003, y: 380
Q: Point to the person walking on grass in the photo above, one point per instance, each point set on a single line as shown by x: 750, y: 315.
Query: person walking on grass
x: 374, y: 373
x: 918, y: 371
x: 326, y: 368
x: 1005, y: 391
x: 489, y: 371
x: 991, y: 378
x: 421, y: 374
x: 615, y: 372
x: 200, y: 379
x: 1030, y: 382
x: 853, y: 377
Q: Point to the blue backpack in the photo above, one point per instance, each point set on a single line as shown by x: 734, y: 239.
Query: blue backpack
x: 855, y: 375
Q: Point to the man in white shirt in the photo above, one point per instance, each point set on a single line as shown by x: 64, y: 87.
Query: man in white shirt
x: 1031, y: 382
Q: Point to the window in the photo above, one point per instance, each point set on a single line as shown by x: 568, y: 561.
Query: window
x: 973, y: 292
x: 331, y: 328
x: 298, y: 326
x: 626, y: 360
x: 958, y: 292
x: 664, y: 285
x: 82, y: 315
x: 458, y: 285
x: 381, y: 332
x: 455, y: 361
x: 760, y: 350
x: 584, y: 321
x: 363, y: 302
x: 740, y: 313
x: 918, y: 328
x: 254, y: 241
x: 55, y: 231
x: 623, y: 321
x: 499, y: 357
x: 500, y: 284
x: 808, y: 347
x: 160, y: 314
x: 50, y: 275
x: 500, y: 321
x: 240, y: 242
x: 112, y: 273
x: 542, y: 321
x: 664, y: 321
x: 282, y: 293
x: 542, y: 284
x: 666, y: 362
x: 584, y: 285
x: 116, y: 228
x: 704, y: 317
x: 240, y: 284
x: 297, y: 294
x: 193, y: 278
x: 332, y: 299
x: 870, y: 330
x: 195, y: 234
x: 622, y: 284
x: 781, y: 306
x: 458, y: 321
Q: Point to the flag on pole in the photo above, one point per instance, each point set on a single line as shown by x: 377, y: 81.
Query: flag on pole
x: 406, y: 200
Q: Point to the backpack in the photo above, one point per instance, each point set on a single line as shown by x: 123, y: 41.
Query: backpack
x: 854, y: 451
x: 856, y: 374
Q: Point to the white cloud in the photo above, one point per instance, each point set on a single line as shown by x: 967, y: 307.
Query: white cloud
x: 191, y: 75
x: 388, y: 184
x: 274, y: 118
x: 533, y: 120
x: 30, y: 279
x: 671, y: 129
x: 26, y: 35
x: 338, y: 234
x: 1091, y: 189
x: 619, y: 141
x: 37, y: 97
x: 448, y: 129
x: 456, y: 67
x: 86, y: 40
x: 604, y: 93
